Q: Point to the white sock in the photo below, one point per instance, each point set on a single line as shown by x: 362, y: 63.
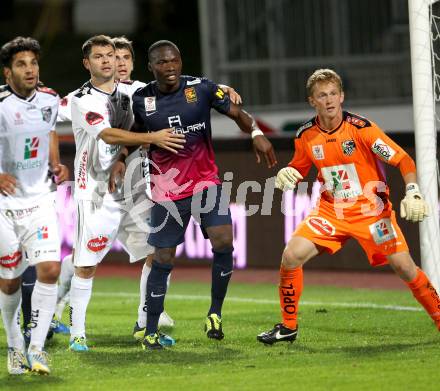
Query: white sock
x: 168, y: 281
x: 142, y: 309
x: 80, y: 293
x: 65, y: 280
x: 43, y: 301
x: 10, y: 309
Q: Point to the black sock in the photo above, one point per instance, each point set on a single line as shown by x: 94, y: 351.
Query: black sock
x: 222, y: 267
x: 28, y: 279
x: 156, y: 290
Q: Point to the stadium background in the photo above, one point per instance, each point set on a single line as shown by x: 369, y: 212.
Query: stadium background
x: 265, y: 49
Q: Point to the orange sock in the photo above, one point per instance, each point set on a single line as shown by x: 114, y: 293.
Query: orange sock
x: 426, y: 295
x: 290, y: 289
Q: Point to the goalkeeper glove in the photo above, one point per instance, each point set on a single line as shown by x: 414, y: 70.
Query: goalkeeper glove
x: 413, y: 207
x: 287, y: 178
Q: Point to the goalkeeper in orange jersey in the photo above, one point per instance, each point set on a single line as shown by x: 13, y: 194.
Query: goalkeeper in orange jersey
x: 348, y: 151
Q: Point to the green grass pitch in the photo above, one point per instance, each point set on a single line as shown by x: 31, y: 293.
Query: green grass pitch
x: 349, y: 339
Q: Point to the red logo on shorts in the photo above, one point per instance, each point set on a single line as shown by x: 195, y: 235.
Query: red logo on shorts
x: 94, y: 118
x: 97, y: 244
x: 321, y: 226
x: 11, y: 260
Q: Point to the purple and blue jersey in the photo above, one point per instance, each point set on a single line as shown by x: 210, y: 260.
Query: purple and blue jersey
x: 188, y: 111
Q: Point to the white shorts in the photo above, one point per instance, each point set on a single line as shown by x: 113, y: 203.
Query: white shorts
x: 99, y: 226
x: 28, y: 236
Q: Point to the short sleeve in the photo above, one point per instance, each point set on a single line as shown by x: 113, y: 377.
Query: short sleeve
x: 55, y: 107
x: 381, y: 145
x: 89, y: 114
x: 218, y: 99
x: 65, y: 109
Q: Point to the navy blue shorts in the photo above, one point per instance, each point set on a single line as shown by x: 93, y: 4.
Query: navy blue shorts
x: 170, y: 219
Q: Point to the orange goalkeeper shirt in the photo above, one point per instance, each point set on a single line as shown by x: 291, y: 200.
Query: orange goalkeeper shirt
x: 349, y: 160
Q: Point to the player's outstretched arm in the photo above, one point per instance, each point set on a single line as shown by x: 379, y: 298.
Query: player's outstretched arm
x: 262, y: 146
x: 60, y: 171
x: 164, y: 138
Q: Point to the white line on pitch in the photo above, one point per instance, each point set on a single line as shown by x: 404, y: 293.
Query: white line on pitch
x: 267, y: 301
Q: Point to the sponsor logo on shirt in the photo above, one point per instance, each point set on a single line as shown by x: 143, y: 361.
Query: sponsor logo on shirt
x: 348, y: 147
x: 342, y: 181
x: 383, y: 150
x: 93, y: 118
x: 150, y: 103
x: 97, y: 244
x: 321, y: 226
x: 330, y: 140
x: 46, y: 112
x: 318, y: 152
x: 190, y: 95
x: 10, y: 260
x: 382, y: 231
x: 18, y: 120
x: 82, y: 171
x: 42, y: 233
x: 31, y: 148
x: 219, y: 93
x: 356, y: 121
x: 174, y: 120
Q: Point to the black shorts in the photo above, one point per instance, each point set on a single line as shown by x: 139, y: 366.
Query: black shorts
x: 207, y: 207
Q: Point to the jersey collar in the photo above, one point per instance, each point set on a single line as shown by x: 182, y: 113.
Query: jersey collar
x: 330, y: 131
x: 21, y: 97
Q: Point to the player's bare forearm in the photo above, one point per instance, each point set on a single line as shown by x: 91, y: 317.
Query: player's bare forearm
x: 164, y: 138
x: 243, y: 119
x: 262, y: 146
x: 54, y: 149
x: 124, y: 152
x: 411, y: 177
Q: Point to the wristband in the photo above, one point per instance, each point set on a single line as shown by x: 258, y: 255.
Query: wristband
x: 412, y: 188
x: 257, y: 132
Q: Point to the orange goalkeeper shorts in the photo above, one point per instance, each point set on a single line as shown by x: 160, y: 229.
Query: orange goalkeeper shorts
x: 379, y: 236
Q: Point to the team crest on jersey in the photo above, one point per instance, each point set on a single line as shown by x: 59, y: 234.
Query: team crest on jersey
x: 31, y: 148
x: 97, y: 244
x: 321, y: 226
x: 150, y: 103
x: 42, y: 233
x: 46, y: 112
x: 382, y: 231
x: 348, y: 147
x: 318, y: 152
x: 93, y: 118
x: 383, y: 150
x: 190, y: 95
x: 11, y: 260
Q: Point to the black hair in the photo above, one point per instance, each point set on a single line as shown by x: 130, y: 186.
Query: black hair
x: 17, y: 45
x: 159, y: 44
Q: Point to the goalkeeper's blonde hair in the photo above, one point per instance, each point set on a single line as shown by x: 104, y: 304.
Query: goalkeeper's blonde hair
x: 323, y: 75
